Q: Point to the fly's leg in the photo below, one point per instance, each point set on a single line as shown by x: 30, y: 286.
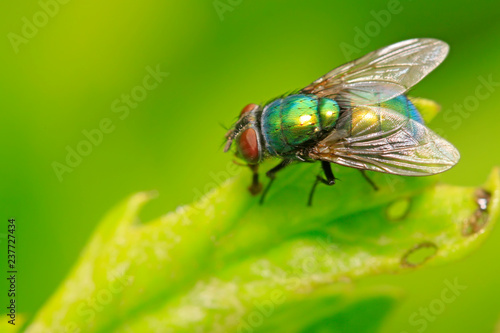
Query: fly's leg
x: 330, y: 180
x: 272, y: 175
x: 256, y: 186
x: 368, y: 179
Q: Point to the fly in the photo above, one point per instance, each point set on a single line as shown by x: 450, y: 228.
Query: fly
x: 357, y: 115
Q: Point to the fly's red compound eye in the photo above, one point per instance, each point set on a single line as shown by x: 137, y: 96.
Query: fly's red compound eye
x: 248, y: 146
x: 248, y: 108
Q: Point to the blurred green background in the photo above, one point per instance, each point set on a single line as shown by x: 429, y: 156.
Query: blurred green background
x: 62, y: 78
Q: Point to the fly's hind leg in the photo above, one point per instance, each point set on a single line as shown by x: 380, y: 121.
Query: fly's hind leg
x: 368, y: 179
x: 329, y: 180
x: 271, y: 174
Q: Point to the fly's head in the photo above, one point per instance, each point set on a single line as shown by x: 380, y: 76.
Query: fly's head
x: 246, y: 135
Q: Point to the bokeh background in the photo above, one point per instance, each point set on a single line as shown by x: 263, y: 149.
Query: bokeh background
x: 62, y: 78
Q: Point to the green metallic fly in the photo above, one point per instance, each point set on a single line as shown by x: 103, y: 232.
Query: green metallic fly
x: 357, y: 115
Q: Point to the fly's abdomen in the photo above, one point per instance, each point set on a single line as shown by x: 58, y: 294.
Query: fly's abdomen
x: 297, y: 120
x: 366, y: 117
x: 403, y: 105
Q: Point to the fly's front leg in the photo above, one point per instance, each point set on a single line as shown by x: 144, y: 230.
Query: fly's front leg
x: 329, y: 180
x: 256, y: 186
x: 271, y: 174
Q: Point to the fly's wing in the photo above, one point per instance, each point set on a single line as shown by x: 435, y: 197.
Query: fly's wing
x: 382, y: 74
x: 379, y: 139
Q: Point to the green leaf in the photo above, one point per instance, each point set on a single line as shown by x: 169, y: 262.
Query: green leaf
x: 226, y: 264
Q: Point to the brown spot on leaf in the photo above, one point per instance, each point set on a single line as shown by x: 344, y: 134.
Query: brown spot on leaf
x: 479, y: 219
x: 398, y: 210
x: 419, y: 254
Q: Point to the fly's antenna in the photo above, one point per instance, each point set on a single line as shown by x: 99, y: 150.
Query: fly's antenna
x: 241, y: 125
x: 228, y: 145
x: 229, y: 140
x: 223, y: 142
x: 234, y: 132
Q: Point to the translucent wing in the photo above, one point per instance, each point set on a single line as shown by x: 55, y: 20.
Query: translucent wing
x: 379, y: 139
x: 382, y: 74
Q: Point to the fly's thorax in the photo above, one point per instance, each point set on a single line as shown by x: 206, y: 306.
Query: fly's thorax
x: 296, y: 121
